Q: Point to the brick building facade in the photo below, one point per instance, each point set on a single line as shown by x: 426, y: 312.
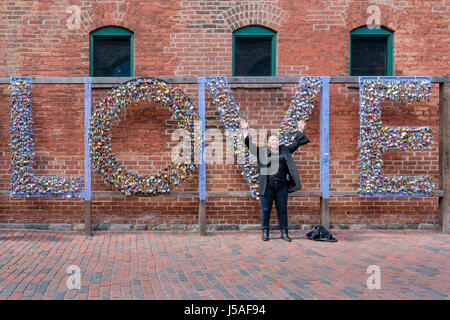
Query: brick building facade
x: 194, y: 38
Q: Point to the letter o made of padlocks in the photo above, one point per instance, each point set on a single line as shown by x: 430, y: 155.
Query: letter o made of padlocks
x: 107, y: 111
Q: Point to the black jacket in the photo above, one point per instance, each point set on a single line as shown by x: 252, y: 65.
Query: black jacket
x: 294, y: 183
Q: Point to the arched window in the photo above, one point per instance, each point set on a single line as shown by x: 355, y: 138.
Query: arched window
x: 111, y: 52
x: 371, y: 52
x: 254, y: 51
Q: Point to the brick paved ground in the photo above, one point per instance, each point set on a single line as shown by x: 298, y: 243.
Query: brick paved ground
x: 223, y: 265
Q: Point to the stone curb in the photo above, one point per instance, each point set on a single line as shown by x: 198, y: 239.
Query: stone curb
x: 210, y: 228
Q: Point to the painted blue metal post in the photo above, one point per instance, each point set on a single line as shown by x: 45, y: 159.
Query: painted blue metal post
x: 325, y: 153
x: 202, y: 164
x: 87, y: 118
x: 87, y: 162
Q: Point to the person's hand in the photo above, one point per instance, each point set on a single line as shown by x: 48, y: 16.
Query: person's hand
x: 244, y: 124
x: 301, y: 125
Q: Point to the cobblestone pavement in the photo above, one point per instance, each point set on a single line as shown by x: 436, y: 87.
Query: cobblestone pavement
x: 223, y: 265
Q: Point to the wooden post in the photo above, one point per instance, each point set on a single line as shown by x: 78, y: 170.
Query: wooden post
x: 325, y: 212
x: 87, y: 218
x: 202, y: 217
x: 444, y: 156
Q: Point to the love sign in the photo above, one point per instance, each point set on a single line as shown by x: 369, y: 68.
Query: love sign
x: 374, y: 139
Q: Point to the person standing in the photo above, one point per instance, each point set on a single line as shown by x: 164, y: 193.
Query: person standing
x: 278, y: 175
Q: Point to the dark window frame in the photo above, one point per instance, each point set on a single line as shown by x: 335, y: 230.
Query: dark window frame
x: 365, y: 32
x: 108, y: 32
x: 253, y: 32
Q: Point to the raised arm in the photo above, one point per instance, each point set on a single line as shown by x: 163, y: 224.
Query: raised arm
x: 299, y: 138
x: 253, y: 148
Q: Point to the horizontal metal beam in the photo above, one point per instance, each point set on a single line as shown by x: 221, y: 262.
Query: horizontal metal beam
x: 230, y: 194
x: 113, y: 194
x: 193, y: 80
x: 437, y: 193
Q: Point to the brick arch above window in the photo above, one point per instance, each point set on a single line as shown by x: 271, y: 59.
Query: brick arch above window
x: 127, y: 15
x: 251, y: 13
x: 391, y: 18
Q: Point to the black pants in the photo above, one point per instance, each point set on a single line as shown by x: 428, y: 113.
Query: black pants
x: 279, y: 193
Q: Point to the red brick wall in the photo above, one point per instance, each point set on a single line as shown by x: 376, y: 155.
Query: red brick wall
x: 193, y: 38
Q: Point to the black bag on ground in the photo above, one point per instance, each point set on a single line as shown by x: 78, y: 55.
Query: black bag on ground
x: 319, y: 233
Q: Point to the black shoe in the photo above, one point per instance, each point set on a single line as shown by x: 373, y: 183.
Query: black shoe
x: 265, y: 235
x: 284, y: 235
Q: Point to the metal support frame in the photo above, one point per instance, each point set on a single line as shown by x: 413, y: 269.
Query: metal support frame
x: 444, y: 143
x: 202, y: 164
x: 87, y: 194
x: 325, y: 152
